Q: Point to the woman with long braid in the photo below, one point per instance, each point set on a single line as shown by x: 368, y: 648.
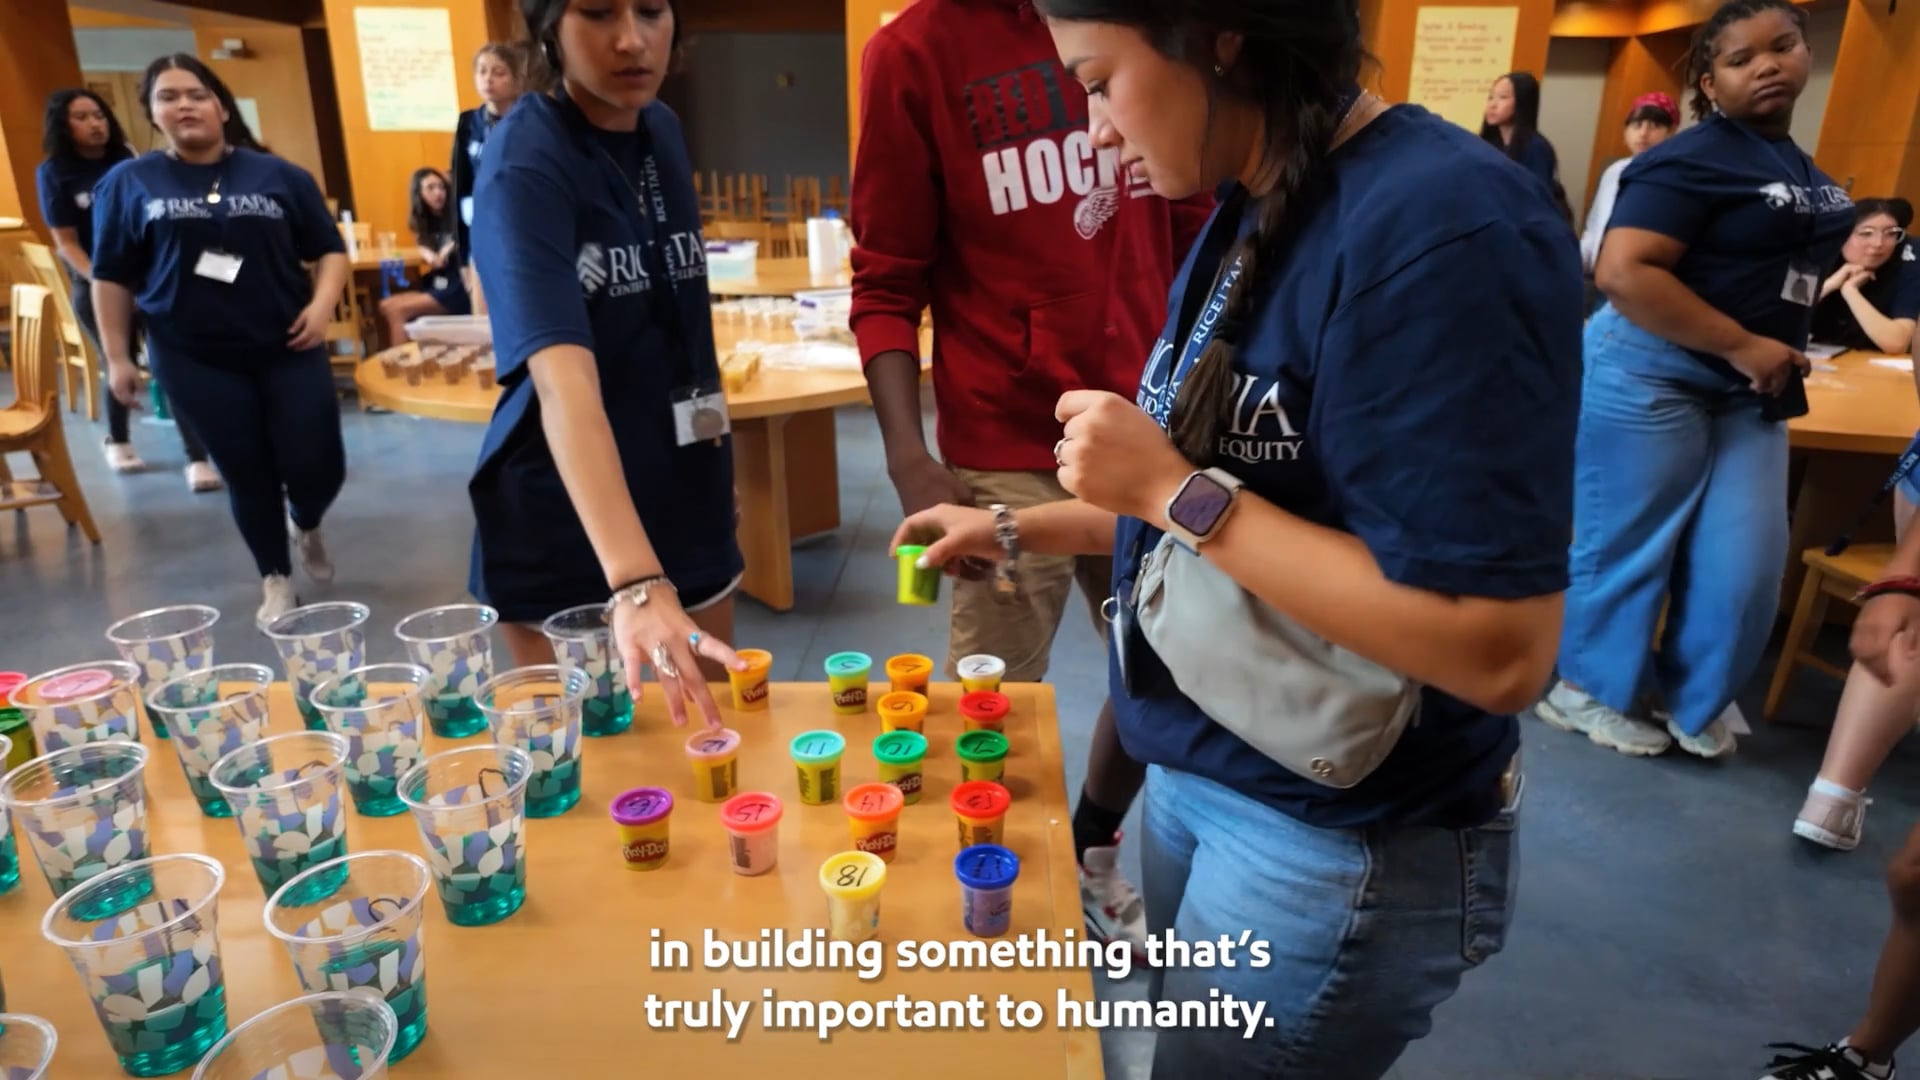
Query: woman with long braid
x: 1360, y: 414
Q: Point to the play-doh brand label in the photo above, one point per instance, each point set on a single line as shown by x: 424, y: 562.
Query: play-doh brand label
x: 908, y: 784
x: 645, y: 851
x: 878, y: 843
x: 850, y: 697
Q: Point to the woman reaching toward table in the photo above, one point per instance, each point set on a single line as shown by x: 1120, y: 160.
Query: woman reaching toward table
x: 1872, y: 298
x: 1376, y: 332
x: 1711, y: 266
x: 607, y: 468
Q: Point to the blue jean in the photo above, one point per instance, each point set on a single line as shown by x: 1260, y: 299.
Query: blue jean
x: 1680, y: 493
x: 1369, y: 929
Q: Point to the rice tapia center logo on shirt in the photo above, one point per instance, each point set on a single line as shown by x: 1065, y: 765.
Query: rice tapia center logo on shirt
x: 177, y: 209
x: 260, y: 206
x: 1825, y: 199
x: 617, y: 269
x: 1030, y: 126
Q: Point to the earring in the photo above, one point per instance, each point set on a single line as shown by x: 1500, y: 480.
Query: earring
x: 1218, y: 70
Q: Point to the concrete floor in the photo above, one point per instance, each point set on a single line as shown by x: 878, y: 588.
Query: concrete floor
x: 1669, y: 926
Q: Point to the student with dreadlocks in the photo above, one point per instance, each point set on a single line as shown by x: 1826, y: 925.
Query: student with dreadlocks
x: 1711, y: 267
x: 1356, y: 427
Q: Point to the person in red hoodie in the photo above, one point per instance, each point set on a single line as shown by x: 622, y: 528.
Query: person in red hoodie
x: 978, y: 193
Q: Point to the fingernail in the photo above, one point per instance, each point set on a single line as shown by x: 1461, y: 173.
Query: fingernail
x: 921, y: 563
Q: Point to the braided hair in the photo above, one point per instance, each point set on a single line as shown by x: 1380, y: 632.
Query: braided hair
x: 1706, y: 43
x: 1297, y: 62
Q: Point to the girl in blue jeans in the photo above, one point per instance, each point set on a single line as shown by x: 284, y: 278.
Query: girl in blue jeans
x: 1360, y: 410
x: 1711, y: 266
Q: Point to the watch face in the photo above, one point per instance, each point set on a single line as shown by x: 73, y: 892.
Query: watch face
x: 1199, y: 505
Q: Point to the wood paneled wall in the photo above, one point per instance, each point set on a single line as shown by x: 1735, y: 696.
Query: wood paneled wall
x: 1870, y: 138
x: 274, y: 75
x: 1640, y: 65
x: 37, y: 57
x: 863, y: 17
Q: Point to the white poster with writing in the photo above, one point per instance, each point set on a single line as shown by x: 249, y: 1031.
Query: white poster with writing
x: 1458, y: 52
x: 406, y: 65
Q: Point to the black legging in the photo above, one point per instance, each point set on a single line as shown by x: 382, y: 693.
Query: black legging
x: 274, y: 429
x: 116, y: 412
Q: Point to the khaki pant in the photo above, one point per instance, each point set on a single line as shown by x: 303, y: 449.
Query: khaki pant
x: 1020, y: 631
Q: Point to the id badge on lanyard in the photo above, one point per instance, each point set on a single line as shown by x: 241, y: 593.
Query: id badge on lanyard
x: 215, y: 263
x: 1801, y: 286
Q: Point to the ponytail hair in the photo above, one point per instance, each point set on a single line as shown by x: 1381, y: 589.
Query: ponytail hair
x: 1299, y: 62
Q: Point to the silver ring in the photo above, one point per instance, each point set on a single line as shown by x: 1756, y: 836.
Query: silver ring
x: 663, y: 665
x: 1057, y: 459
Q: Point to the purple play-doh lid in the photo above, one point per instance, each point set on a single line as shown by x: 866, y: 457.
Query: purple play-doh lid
x: 642, y: 806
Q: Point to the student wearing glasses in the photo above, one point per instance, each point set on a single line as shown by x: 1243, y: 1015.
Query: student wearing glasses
x: 1872, y: 297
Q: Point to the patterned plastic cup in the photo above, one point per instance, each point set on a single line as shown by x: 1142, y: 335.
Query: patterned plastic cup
x: 317, y: 643
x: 455, y: 644
x: 583, y: 641
x: 538, y: 710
x: 166, y: 643
x: 471, y: 808
x: 286, y: 797
x: 207, y: 726
x: 26, y: 1046
x: 378, y: 709
x: 338, y: 1035
x: 363, y: 934
x: 144, y: 940
x: 92, y: 702
x: 84, y: 810
x: 9, y: 854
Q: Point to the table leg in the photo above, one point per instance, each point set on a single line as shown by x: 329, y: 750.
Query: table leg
x: 813, y: 474
x: 761, y: 471
x: 1834, y: 487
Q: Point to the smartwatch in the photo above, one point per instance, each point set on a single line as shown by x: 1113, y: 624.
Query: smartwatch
x: 1201, y: 506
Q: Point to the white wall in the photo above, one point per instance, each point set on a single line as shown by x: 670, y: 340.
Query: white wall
x: 128, y: 50
x: 740, y: 119
x: 1823, y: 34
x: 1570, y: 96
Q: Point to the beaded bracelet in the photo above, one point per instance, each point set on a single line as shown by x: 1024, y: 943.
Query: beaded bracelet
x: 1905, y: 586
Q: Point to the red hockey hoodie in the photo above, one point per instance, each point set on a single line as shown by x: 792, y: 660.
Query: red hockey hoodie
x: 977, y: 192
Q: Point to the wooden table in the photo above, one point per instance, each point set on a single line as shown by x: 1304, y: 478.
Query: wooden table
x: 777, y: 277
x: 785, y: 456
x: 558, y: 988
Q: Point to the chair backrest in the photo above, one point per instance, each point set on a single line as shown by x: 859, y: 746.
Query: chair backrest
x: 53, y: 276
x: 33, y: 376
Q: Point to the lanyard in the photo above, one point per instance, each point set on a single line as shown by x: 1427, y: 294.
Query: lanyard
x: 1200, y: 320
x: 1799, y: 170
x: 1907, y: 463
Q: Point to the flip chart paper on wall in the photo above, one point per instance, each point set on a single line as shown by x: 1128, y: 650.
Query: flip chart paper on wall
x: 406, y: 65
x: 1457, y: 54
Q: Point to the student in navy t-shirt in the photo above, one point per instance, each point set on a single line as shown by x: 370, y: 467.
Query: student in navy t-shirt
x: 1872, y: 297
x: 1512, y: 125
x: 83, y: 140
x: 442, y: 290
x: 1711, y: 266
x: 1389, y: 365
x: 499, y: 73
x: 210, y: 242
x: 607, y: 469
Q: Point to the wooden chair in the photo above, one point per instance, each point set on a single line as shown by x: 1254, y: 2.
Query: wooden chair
x: 1829, y: 577
x: 78, y: 361
x: 796, y: 242
x: 758, y: 231
x: 32, y: 425
x: 347, y: 325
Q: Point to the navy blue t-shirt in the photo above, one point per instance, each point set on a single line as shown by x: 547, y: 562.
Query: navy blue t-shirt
x: 152, y: 222
x: 567, y: 256
x: 1894, y: 292
x: 1538, y: 158
x: 66, y: 192
x: 1750, y: 210
x: 1410, y: 375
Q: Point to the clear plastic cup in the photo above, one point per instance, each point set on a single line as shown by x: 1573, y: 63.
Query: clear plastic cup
x: 287, y: 794
x: 715, y: 757
x: 538, y: 710
x: 985, y: 710
x: 337, y: 1035
x: 380, y: 710
x: 847, y: 675
x: 97, y: 701
x: 364, y: 934
x: 910, y: 671
x: 211, y: 713
x: 144, y: 939
x: 470, y: 806
x: 26, y: 1046
x: 84, y: 810
x: 9, y: 853
x: 987, y: 873
x: 873, y: 818
x: 751, y: 692
x: 982, y: 754
x: 752, y: 820
x: 903, y: 710
x: 902, y: 756
x: 852, y: 881
x: 455, y: 644
x: 980, y: 807
x: 165, y: 643
x: 816, y: 761
x: 583, y: 640
x: 981, y: 671
x: 316, y: 643
x: 645, y: 818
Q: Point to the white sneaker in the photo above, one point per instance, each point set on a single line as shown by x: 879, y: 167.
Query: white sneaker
x: 278, y: 599
x: 1113, y: 906
x: 1715, y: 740
x: 1832, y: 816
x: 122, y: 458
x: 203, y: 477
x: 312, y: 551
x: 1575, y: 710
